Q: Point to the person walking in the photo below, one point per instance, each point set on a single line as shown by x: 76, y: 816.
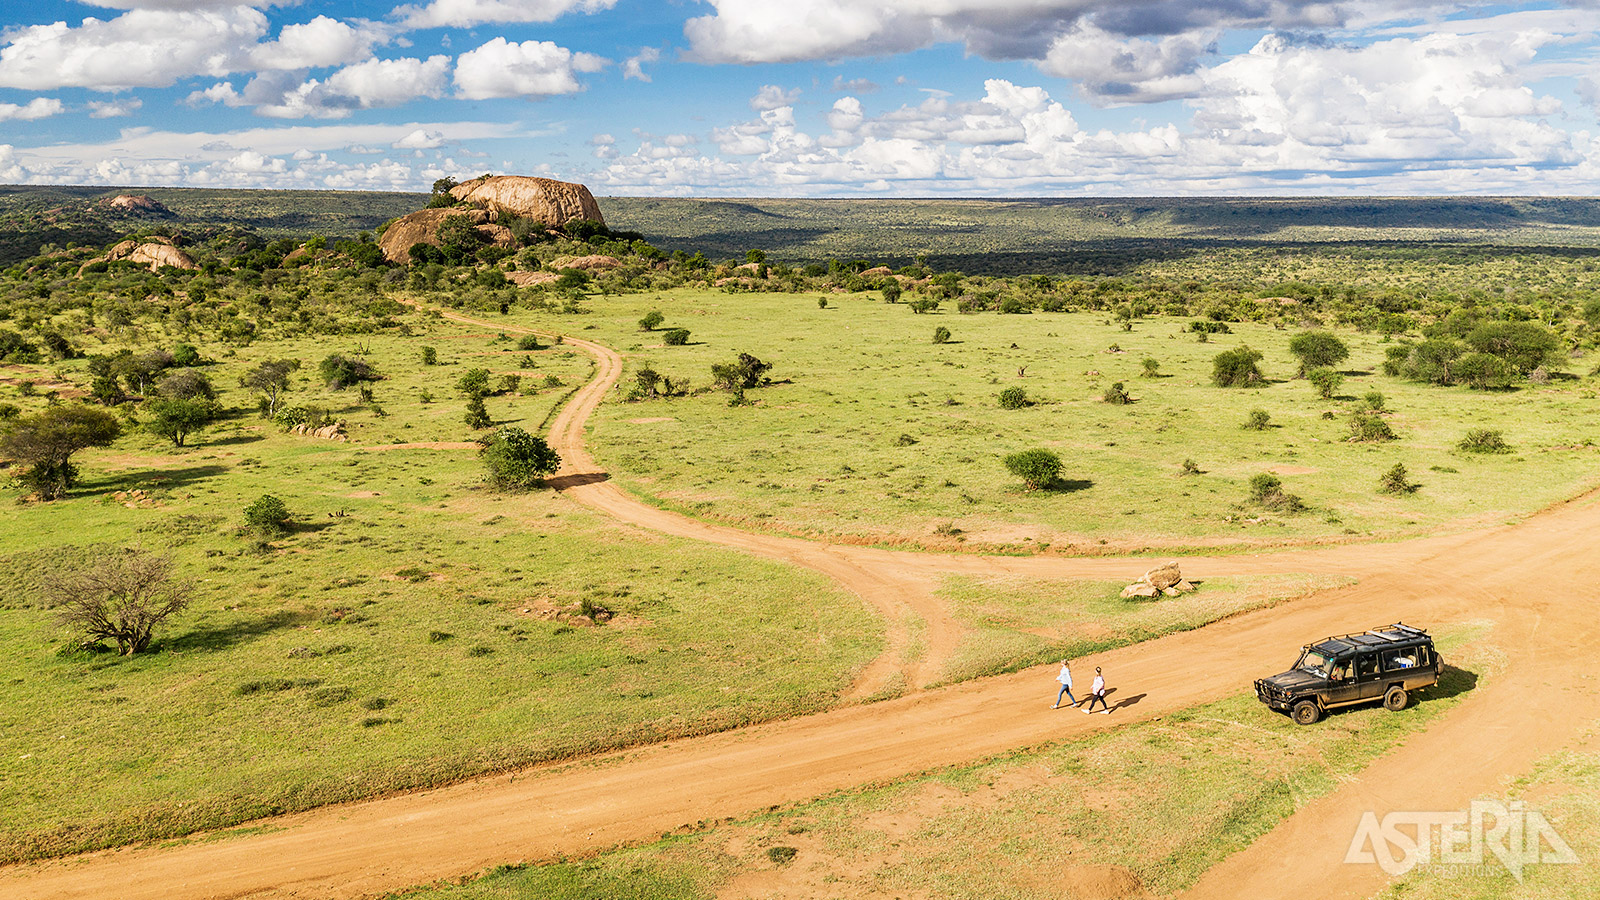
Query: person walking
x: 1065, y: 678
x: 1097, y: 694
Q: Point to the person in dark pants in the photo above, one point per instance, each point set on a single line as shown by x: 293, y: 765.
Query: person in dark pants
x: 1097, y: 694
x: 1065, y: 679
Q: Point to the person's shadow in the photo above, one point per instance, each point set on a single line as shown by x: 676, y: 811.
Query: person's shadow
x: 1125, y: 702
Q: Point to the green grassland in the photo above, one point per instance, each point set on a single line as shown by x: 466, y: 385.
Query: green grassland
x: 873, y: 433
x: 404, y: 634
x: 1165, y: 799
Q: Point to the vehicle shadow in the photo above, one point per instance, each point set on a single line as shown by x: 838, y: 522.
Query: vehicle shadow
x: 1453, y: 682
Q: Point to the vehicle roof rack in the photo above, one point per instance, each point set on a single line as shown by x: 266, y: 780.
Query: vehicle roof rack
x: 1377, y: 637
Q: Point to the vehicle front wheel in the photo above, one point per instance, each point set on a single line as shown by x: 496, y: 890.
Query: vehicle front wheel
x: 1306, y: 712
x: 1395, y: 699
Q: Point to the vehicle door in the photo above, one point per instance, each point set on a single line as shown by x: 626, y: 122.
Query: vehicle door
x: 1342, y: 684
x: 1369, y: 681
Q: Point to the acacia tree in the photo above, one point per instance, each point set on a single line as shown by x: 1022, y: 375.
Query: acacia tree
x: 1318, y: 350
x: 271, y: 381
x: 120, y: 596
x: 176, y: 419
x: 46, y: 441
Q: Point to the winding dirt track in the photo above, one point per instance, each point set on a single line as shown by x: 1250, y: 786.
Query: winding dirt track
x: 1532, y: 582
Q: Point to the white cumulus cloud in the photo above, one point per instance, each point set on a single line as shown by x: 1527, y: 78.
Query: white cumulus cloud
x: 771, y: 96
x: 142, y: 48
x: 37, y: 108
x: 420, y: 139
x: 466, y: 13
x: 320, y: 42
x: 502, y: 68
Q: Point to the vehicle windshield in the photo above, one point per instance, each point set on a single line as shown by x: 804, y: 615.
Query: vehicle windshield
x: 1314, y: 662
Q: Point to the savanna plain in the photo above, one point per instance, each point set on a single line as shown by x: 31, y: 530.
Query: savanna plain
x: 826, y: 482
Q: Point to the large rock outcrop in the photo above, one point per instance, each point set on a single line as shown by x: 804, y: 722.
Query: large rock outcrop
x: 154, y: 252
x: 422, y: 227
x: 555, y: 203
x: 137, y: 204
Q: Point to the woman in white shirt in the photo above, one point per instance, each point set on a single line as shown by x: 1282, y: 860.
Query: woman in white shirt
x: 1065, y: 678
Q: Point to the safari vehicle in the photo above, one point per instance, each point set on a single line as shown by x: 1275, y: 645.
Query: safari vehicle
x: 1386, y: 664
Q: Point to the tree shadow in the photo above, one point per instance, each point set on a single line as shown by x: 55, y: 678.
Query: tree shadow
x: 150, y: 478
x: 222, y: 637
x: 578, y: 479
x: 235, y: 440
x: 1068, y: 485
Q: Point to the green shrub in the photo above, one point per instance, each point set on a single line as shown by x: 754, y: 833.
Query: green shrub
x: 477, y: 415
x: 1236, y: 367
x: 1257, y: 420
x: 1266, y: 490
x: 1395, y: 481
x: 675, y: 337
x: 474, y: 383
x: 267, y: 515
x: 517, y: 460
x: 1014, y: 398
x: 941, y: 335
x: 1326, y: 381
x: 1367, y: 427
x: 1038, y: 468
x: 340, y: 372
x: 652, y: 320
x: 1152, y: 368
x: 1189, y: 467
x: 528, y: 343
x: 1484, y: 440
x: 175, y: 420
x: 1116, y: 395
x: 430, y: 356
x: 1483, y: 372
x: 1372, y: 401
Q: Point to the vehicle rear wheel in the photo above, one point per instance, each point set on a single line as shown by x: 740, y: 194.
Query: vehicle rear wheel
x: 1395, y: 700
x: 1306, y: 712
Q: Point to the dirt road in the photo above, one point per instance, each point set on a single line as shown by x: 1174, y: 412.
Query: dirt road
x: 1528, y: 580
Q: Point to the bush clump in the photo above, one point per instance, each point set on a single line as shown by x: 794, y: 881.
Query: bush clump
x: 515, y: 460
x: 1368, y: 428
x: 340, y: 372
x: 1014, y: 398
x: 1116, y: 395
x: 1236, y: 367
x: 1396, y: 481
x: 1484, y: 440
x: 1038, y: 468
x: 1317, y: 350
x: 675, y: 337
x: 1326, y: 381
x: 267, y: 515
x: 941, y: 335
x: 1267, y: 491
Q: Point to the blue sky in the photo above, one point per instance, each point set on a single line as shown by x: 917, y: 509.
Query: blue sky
x: 983, y: 98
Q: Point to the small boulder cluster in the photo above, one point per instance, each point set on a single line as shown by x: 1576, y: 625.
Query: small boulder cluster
x: 334, y: 432
x: 1162, y: 581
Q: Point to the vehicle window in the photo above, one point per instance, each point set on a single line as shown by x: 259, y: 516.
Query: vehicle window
x: 1314, y: 662
x: 1341, y: 671
x: 1398, y: 659
x: 1423, y: 657
x: 1366, y: 665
